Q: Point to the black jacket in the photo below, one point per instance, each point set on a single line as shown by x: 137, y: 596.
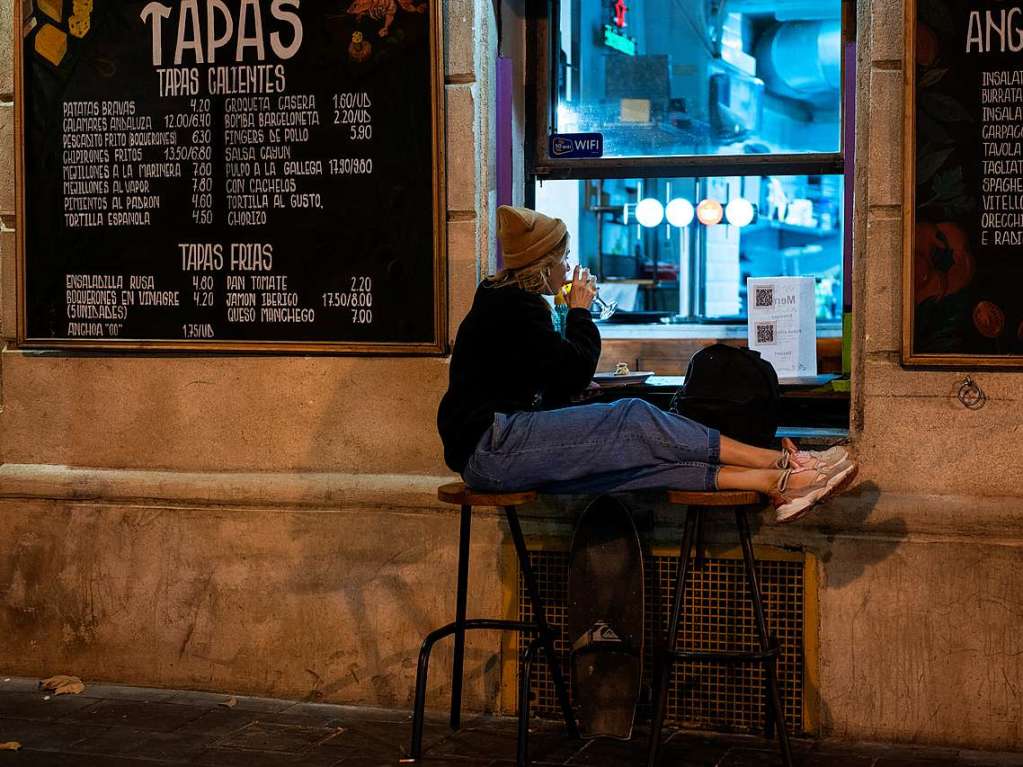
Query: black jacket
x: 507, y: 358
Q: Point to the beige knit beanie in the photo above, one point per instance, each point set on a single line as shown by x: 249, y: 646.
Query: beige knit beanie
x: 526, y: 235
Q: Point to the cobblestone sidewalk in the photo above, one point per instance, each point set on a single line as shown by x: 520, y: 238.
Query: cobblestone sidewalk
x: 115, y: 726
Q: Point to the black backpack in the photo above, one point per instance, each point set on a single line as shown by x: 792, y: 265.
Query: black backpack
x: 733, y: 390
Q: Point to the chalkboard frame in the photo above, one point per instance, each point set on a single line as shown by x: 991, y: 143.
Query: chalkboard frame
x: 911, y: 357
x: 438, y: 346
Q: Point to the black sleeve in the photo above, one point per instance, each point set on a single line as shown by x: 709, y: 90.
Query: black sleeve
x: 566, y: 364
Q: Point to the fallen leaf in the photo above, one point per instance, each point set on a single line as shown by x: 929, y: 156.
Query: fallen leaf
x: 11, y: 745
x: 229, y: 703
x: 63, y: 685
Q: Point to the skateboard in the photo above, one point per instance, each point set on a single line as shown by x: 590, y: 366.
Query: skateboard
x: 605, y: 619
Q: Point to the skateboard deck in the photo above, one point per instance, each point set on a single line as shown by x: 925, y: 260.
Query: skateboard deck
x: 605, y: 619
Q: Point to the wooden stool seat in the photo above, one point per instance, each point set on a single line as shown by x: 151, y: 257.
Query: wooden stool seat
x: 729, y: 498
x: 460, y: 495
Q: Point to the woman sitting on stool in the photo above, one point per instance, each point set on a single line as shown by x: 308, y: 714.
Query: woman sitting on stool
x: 507, y: 425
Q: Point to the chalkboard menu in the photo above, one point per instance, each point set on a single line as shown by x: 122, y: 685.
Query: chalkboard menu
x: 963, y: 254
x: 231, y: 174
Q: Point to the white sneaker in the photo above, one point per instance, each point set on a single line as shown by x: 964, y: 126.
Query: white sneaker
x: 800, y: 460
x: 792, y: 504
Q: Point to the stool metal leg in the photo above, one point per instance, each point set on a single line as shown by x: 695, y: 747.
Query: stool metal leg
x: 541, y: 619
x: 666, y: 662
x: 463, y: 588
x: 769, y: 719
x: 522, y: 746
x: 698, y: 558
x: 773, y: 694
x: 419, y: 704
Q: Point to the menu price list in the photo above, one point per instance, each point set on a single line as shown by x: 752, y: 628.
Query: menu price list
x: 98, y: 305
x: 966, y: 225
x: 260, y: 170
x: 1001, y: 193
x: 117, y: 168
x: 110, y: 179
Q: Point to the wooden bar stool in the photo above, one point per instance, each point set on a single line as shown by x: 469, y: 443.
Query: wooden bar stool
x: 697, y: 504
x: 457, y: 493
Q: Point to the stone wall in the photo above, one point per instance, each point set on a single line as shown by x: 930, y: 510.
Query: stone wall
x: 251, y: 523
x: 920, y: 633
x: 914, y: 436
x: 300, y: 586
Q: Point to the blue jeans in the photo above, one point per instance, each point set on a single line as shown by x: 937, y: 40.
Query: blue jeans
x: 624, y: 445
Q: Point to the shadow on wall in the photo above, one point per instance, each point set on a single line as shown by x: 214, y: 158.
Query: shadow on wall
x: 846, y: 516
x: 851, y: 518
x: 661, y: 523
x: 387, y: 589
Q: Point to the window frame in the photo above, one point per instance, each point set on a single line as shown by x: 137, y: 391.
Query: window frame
x: 541, y: 41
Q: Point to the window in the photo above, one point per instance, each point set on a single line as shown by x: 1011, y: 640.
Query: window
x: 688, y: 77
x: 721, y: 123
x: 680, y: 249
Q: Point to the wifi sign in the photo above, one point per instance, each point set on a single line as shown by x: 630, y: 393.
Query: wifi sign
x: 565, y: 146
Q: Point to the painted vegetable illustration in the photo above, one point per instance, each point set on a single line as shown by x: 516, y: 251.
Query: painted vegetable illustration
x: 989, y: 319
x: 942, y: 261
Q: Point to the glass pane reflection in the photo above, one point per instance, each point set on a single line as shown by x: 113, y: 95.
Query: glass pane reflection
x: 676, y: 77
x: 680, y: 250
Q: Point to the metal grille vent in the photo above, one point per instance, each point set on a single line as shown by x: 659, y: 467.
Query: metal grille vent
x: 717, y: 615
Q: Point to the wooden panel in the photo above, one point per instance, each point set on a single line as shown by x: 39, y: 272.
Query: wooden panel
x: 670, y: 356
x: 665, y: 366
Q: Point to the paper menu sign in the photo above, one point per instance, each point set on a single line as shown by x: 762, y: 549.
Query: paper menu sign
x: 783, y: 323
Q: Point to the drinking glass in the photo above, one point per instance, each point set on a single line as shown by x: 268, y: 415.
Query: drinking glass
x: 605, y: 308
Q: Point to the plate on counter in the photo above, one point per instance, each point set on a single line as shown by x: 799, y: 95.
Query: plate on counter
x: 608, y: 380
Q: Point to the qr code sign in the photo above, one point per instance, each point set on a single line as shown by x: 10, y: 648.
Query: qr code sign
x: 765, y: 332
x: 765, y: 297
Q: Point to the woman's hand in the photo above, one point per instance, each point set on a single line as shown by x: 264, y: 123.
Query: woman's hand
x: 584, y: 288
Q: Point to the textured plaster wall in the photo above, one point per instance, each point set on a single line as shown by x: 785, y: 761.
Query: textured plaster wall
x: 920, y: 617
x: 921, y: 641
x: 306, y: 604
x: 223, y: 413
